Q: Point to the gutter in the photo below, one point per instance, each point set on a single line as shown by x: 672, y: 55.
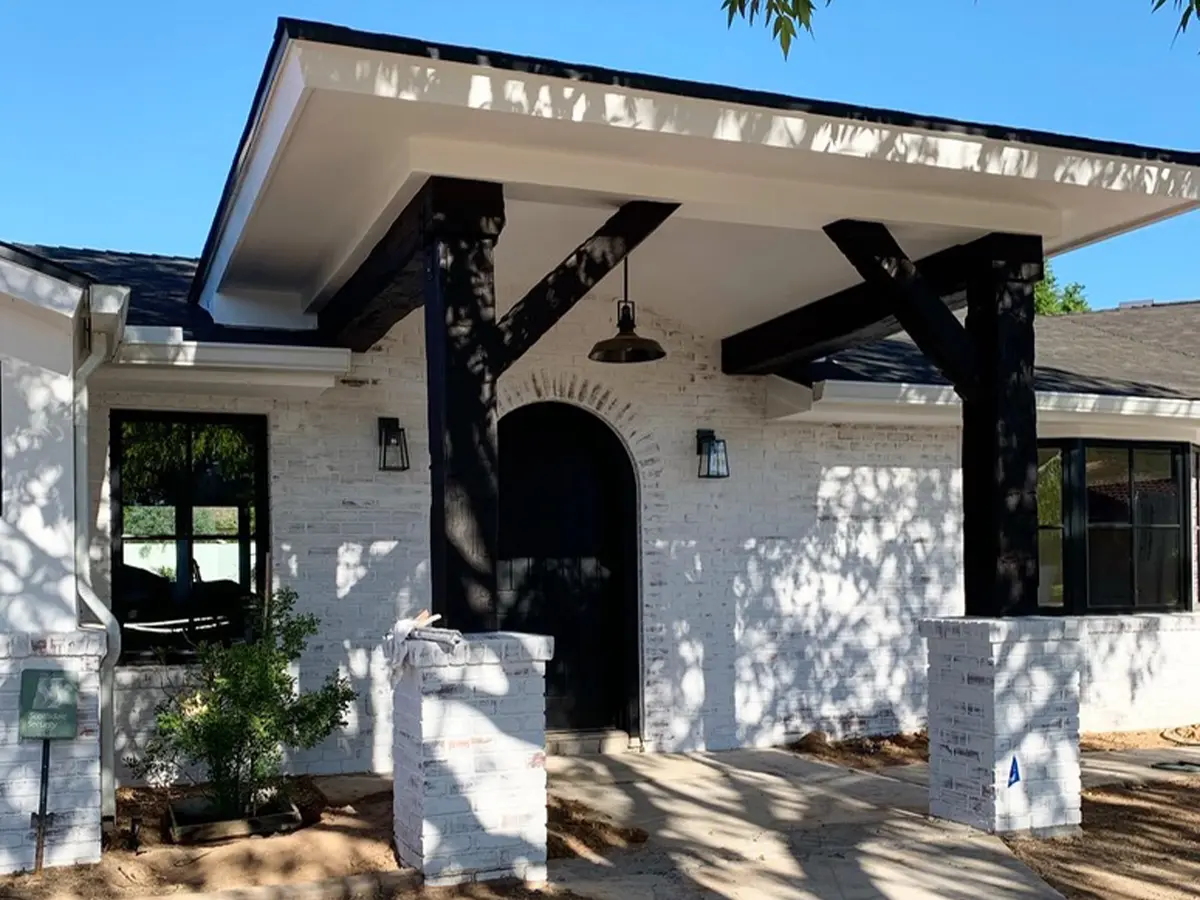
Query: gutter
x: 108, y: 307
x: 894, y: 402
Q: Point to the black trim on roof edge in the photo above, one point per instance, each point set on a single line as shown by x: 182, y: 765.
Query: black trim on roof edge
x: 340, y: 35
x: 44, y: 265
x: 218, y: 224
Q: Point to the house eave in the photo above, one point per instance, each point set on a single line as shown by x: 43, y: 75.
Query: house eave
x: 161, y: 359
x: 896, y: 403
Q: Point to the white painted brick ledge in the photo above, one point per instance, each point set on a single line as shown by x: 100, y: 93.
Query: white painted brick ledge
x: 997, y: 631
x: 480, y: 649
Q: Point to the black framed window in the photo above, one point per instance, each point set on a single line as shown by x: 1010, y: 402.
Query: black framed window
x: 1115, y: 527
x: 190, y: 538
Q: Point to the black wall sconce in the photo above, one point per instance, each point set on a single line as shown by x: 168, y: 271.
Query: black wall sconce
x: 714, y: 458
x: 393, y: 446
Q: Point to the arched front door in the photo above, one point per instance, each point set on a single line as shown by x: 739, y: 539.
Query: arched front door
x: 568, y: 559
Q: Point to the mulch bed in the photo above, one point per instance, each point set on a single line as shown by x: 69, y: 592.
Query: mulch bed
x: 1138, y: 843
x: 574, y: 830
x: 866, y: 752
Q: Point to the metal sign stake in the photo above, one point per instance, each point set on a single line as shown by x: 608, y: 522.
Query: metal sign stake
x: 41, y: 813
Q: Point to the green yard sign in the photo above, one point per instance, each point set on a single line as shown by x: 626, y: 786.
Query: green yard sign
x: 49, y: 705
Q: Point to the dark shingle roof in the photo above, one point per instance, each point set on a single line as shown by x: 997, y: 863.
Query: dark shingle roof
x: 159, y: 283
x: 159, y: 294
x: 1147, y: 350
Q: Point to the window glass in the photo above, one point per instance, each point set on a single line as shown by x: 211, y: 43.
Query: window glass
x: 1107, y: 479
x: 1110, y: 567
x: 187, y: 491
x: 1156, y: 487
x: 1050, y: 565
x: 1159, y: 567
x: 1049, y: 486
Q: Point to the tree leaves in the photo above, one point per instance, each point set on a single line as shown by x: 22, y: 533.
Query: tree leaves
x: 786, y: 17
x: 783, y: 17
x: 1051, y: 300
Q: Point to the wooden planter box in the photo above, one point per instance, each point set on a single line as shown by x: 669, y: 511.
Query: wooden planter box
x: 193, y: 821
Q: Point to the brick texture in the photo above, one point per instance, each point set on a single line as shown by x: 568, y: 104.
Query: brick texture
x: 1004, y: 722
x: 782, y: 599
x: 74, y: 786
x: 470, y: 765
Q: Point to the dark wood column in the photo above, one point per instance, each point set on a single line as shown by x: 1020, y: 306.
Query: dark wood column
x: 999, y: 442
x: 462, y: 221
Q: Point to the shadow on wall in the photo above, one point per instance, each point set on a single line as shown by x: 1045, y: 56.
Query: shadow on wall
x: 37, y: 523
x: 804, y: 615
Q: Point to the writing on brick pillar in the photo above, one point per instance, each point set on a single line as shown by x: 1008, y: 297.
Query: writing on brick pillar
x: 73, y: 797
x: 1004, y: 722
x: 469, y: 725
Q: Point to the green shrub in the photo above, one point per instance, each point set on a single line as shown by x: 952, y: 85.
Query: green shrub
x: 237, y: 711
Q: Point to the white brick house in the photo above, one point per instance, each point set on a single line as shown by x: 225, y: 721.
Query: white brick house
x: 731, y: 612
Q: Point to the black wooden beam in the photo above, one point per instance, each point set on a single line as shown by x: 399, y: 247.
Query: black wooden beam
x: 462, y: 221
x: 885, y: 267
x: 552, y: 297
x: 999, y: 455
x: 390, y: 283
x: 855, y: 316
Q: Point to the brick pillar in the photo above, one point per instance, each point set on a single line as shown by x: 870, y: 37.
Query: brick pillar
x: 74, y: 787
x: 469, y: 757
x: 1004, y: 722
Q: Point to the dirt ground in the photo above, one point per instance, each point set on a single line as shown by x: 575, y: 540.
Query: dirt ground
x: 1138, y: 843
x: 1136, y: 740
x: 903, y: 749
x: 350, y: 839
x: 866, y: 752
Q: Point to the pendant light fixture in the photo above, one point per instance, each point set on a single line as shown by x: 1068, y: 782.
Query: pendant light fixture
x: 627, y: 346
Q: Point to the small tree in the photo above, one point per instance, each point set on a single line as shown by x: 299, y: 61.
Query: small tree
x: 241, y: 707
x: 1052, y: 299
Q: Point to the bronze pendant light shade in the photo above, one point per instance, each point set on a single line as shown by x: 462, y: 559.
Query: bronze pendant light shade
x: 627, y: 346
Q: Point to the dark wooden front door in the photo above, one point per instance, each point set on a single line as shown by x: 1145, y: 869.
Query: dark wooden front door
x: 568, y: 559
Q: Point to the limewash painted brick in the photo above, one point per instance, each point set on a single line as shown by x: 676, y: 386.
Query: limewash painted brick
x: 470, y: 770
x: 74, y: 785
x: 783, y: 599
x: 1005, y: 692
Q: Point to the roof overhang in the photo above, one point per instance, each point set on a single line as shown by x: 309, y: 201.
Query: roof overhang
x: 158, y: 359
x: 347, y: 126
x: 1059, y: 413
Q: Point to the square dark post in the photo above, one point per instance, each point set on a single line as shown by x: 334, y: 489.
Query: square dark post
x: 1000, y: 431
x: 462, y: 222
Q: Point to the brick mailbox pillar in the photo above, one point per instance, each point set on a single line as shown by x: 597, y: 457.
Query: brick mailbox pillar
x: 1004, y: 723
x: 469, y: 722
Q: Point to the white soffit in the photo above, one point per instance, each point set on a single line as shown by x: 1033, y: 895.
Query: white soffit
x: 161, y: 360
x: 344, y: 136
x: 850, y: 402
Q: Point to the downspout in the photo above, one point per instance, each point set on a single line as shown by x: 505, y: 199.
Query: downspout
x: 83, y: 578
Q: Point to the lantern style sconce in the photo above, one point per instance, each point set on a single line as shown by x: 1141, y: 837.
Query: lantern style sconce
x: 714, y: 458
x: 393, y: 446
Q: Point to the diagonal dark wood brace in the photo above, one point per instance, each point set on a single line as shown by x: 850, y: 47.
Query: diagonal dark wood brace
x: 874, y: 253
x: 552, y: 297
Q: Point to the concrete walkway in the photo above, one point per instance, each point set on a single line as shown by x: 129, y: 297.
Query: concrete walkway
x: 755, y: 824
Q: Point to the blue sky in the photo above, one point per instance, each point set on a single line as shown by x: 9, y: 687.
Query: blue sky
x: 121, y: 116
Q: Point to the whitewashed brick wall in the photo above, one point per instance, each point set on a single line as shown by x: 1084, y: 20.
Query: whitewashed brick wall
x: 470, y: 761
x: 74, y: 786
x: 1140, y: 672
x: 782, y: 599
x: 1004, y: 722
